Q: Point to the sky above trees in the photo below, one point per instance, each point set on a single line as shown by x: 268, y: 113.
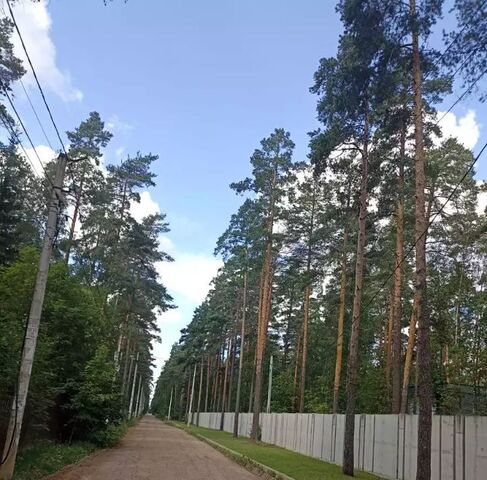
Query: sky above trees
x: 199, y: 83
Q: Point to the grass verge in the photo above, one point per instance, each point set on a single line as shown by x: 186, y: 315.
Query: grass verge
x: 45, y: 458
x: 291, y: 464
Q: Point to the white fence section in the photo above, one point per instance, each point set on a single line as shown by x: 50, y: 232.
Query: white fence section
x: 384, y: 444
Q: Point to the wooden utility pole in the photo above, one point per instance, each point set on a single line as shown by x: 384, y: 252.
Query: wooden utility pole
x: 269, y: 385
x: 30, y: 341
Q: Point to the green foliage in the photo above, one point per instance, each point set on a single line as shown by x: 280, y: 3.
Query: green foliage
x: 97, y: 403
x: 110, y: 435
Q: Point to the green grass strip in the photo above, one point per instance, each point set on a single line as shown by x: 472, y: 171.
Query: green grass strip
x: 291, y: 464
x: 45, y: 458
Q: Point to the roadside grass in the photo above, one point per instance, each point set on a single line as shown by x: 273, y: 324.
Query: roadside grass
x: 295, y: 465
x: 44, y: 458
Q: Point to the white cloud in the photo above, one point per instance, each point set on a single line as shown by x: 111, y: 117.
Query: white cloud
x: 465, y: 129
x: 170, y: 316
x: 34, y: 23
x: 189, y: 276
x: 481, y: 201
x: 119, y: 151
x: 46, y: 154
x: 166, y: 244
x: 147, y: 206
x: 116, y: 124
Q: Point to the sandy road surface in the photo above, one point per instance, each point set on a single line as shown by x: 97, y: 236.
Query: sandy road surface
x: 153, y: 450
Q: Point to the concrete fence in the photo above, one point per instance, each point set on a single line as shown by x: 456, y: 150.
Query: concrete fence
x: 384, y: 444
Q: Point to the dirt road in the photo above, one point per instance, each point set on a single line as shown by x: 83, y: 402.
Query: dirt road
x: 154, y: 451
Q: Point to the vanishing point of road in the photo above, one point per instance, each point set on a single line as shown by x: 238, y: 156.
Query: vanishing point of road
x: 153, y: 450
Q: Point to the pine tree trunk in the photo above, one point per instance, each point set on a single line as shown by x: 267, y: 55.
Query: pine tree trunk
x: 307, y: 297
x: 287, y: 335
x: 207, y: 387
x: 230, y: 374
x: 388, y: 344
x: 409, y: 360
x: 307, y: 294
x: 262, y: 324
x: 352, y: 368
x: 224, y: 389
x: 241, y: 359
x: 215, y: 383
x: 424, y: 361
x: 200, y: 390
x: 126, y: 371
x: 341, y: 324
x: 397, y: 310
x: 296, y: 371
x: 252, y: 383
x: 262, y: 339
x: 77, y: 206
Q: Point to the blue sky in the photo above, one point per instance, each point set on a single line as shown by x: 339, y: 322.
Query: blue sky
x: 199, y: 83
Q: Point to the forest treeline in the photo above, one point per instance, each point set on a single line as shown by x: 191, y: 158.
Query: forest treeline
x: 93, y: 361
x: 361, y: 271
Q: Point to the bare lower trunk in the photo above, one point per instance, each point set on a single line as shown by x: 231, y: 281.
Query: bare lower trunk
x: 207, y: 388
x: 307, y: 297
x: 296, y: 370
x: 388, y: 344
x: 352, y: 368
x: 341, y: 324
x: 408, y: 361
x: 263, y: 323
x: 241, y: 359
x: 424, y: 361
x: 77, y: 206
x: 215, y: 384
x: 252, y: 383
x: 224, y: 392
x: 397, y: 311
x: 302, y: 385
x: 230, y: 373
x: 200, y: 390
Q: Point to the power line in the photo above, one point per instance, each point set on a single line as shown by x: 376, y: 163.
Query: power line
x: 462, y: 96
x: 27, y: 135
x: 35, y: 76
x: 35, y: 113
x: 411, y: 249
x: 457, y: 36
x: 14, y: 134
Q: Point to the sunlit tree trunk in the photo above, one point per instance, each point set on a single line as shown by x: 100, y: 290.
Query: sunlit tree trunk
x: 341, y: 323
x: 264, y: 314
x: 396, y: 297
x: 424, y: 356
x: 77, y: 206
x: 352, y: 367
x: 242, y: 348
x: 307, y: 297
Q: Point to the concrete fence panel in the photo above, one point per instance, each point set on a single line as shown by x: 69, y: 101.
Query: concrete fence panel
x: 383, y: 444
